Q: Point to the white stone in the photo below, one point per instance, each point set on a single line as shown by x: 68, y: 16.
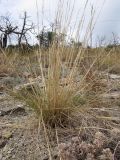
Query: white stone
x: 114, y: 76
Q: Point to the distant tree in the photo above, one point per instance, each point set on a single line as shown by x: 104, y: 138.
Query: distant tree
x: 75, y: 44
x: 6, y: 28
x: 24, y: 31
x: 51, y: 35
x: 46, y: 38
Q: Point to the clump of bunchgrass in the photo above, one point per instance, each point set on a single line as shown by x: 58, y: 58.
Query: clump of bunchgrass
x: 62, y: 81
x: 52, y: 98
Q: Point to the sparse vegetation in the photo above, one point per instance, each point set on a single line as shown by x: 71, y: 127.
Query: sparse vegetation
x: 68, y: 88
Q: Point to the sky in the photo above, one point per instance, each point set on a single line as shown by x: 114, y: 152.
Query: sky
x: 43, y: 12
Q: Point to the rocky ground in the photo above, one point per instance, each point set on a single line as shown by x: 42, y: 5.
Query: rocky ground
x: 20, y: 139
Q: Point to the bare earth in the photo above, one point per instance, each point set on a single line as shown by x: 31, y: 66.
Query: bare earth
x: 20, y: 139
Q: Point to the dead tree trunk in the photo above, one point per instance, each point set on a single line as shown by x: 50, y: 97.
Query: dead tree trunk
x: 22, y: 31
x: 0, y: 41
x: 4, y: 43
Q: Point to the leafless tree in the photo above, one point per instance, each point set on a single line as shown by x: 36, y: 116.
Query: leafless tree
x: 25, y: 30
x: 7, y: 28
